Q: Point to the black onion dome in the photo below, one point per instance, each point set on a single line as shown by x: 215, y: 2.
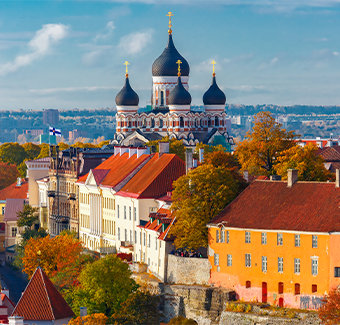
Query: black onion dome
x: 214, y: 95
x: 165, y: 64
x: 179, y: 95
x: 127, y: 96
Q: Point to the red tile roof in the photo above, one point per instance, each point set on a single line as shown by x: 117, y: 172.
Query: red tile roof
x: 12, y: 207
x: 306, y: 206
x: 42, y: 301
x: 15, y: 192
x: 155, y: 178
x: 99, y: 174
x: 119, y: 166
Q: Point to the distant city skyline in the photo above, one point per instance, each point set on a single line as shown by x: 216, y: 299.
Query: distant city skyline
x: 71, y: 54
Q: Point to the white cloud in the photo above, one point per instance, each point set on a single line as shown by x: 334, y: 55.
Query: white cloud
x: 107, y: 34
x: 40, y: 46
x: 134, y: 43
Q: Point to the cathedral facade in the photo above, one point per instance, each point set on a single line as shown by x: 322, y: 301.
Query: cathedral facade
x: 171, y: 113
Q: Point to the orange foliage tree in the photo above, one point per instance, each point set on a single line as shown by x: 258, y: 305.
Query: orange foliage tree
x: 52, y: 254
x: 94, y: 319
x: 329, y: 312
x: 8, y: 174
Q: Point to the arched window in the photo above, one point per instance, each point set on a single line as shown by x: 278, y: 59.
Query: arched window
x: 181, y: 122
x: 152, y: 122
x: 160, y: 122
x: 209, y: 121
x: 217, y: 121
x: 196, y: 123
x: 144, y: 122
x: 162, y: 97
x: 201, y: 123
x: 130, y: 124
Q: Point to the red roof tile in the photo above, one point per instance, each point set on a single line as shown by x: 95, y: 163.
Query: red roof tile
x: 99, y: 174
x: 155, y: 178
x: 330, y: 154
x: 15, y: 192
x: 42, y: 301
x: 306, y: 206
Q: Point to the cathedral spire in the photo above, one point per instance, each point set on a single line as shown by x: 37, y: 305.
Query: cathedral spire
x: 170, y: 14
x: 213, y: 63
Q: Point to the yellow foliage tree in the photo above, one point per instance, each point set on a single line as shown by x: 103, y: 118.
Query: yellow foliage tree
x: 94, y: 319
x: 258, y: 152
x: 309, y: 165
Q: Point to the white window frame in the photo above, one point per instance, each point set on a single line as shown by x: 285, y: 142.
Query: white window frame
x: 263, y: 238
x: 280, y: 264
x: 229, y: 260
x: 297, y: 239
x: 222, y: 240
x: 217, y: 236
x: 264, y: 264
x: 227, y: 236
x: 314, y: 241
x: 248, y: 260
x: 247, y: 237
x: 216, y: 259
x: 315, y: 266
x: 279, y: 239
x: 296, y: 265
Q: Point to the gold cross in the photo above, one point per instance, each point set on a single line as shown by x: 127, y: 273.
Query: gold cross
x: 170, y: 15
x: 126, y: 67
x: 213, y: 63
x: 179, y: 67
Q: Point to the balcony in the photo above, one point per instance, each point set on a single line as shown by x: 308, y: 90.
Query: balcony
x: 107, y: 250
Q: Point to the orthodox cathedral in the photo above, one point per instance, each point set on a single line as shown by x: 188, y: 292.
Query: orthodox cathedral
x: 171, y: 113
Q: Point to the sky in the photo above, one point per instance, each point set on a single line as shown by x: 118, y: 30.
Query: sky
x: 70, y: 54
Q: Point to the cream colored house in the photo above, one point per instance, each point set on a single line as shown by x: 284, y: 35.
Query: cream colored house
x: 43, y: 187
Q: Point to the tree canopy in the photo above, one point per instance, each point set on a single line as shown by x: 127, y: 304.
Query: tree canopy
x: 12, y: 153
x: 259, y: 151
x: 175, y: 146
x: 93, y: 319
x: 329, y: 312
x: 103, y: 286
x: 8, y: 174
x: 197, y: 198
x: 27, y: 217
x: 310, y: 166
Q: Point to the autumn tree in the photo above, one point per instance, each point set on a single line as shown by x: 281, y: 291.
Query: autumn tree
x: 27, y: 216
x: 8, y: 174
x: 52, y: 254
x: 181, y: 320
x: 103, y: 286
x: 44, y: 150
x: 329, y: 312
x: 310, y: 166
x: 12, y: 153
x: 258, y: 152
x: 140, y: 308
x: 32, y: 150
x: 175, y: 146
x: 93, y: 319
x: 197, y: 198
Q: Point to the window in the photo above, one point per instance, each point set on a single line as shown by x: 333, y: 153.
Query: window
x: 227, y: 233
x: 216, y: 259
x: 130, y: 213
x: 247, y: 237
x: 314, y: 288
x: 296, y: 265
x: 117, y: 211
x: 152, y: 122
x: 280, y: 288
x: 217, y: 122
x: 148, y: 261
x: 181, y: 122
x: 248, y: 284
x: 217, y: 236
x: 248, y: 260
x: 315, y: 241
x: 14, y: 231
x: 144, y: 239
x: 229, y: 260
x: 135, y: 237
x: 280, y: 264
x: 263, y: 238
x: 337, y: 272
x: 297, y: 288
x: 159, y: 262
x: 160, y: 122
x: 130, y: 236
x: 156, y: 243
x: 297, y: 240
x: 3, y: 210
x: 124, y: 211
x: 314, y: 266
x: 264, y: 263
x: 135, y: 213
x: 222, y: 236
x: 118, y: 233
x: 149, y: 242
x: 279, y: 239
x: 125, y: 235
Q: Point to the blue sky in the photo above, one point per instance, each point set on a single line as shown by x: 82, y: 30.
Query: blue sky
x: 70, y: 54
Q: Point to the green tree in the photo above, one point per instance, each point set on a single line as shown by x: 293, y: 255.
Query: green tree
x: 140, y: 308
x: 32, y: 150
x: 44, y: 150
x: 175, y: 146
x: 12, y: 153
x: 27, y: 217
x: 258, y: 152
x: 103, y: 286
x: 197, y: 198
x: 309, y: 165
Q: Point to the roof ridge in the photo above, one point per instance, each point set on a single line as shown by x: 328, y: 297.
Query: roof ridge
x: 48, y: 297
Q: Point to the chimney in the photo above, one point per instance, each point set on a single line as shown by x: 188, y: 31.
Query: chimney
x: 246, y: 176
x: 201, y: 153
x: 16, y: 320
x: 5, y: 291
x: 143, y: 151
x: 292, y: 177
x: 132, y: 151
x: 337, y: 178
x: 117, y: 150
x: 122, y: 150
x: 275, y: 177
x: 19, y: 181
x: 164, y: 147
x: 83, y: 311
x: 188, y: 159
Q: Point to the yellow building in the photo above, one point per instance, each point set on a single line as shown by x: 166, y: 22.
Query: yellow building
x: 278, y: 242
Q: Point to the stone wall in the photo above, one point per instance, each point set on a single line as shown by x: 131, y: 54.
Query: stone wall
x: 188, y: 270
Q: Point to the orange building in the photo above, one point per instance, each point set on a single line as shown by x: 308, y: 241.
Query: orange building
x: 279, y: 242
